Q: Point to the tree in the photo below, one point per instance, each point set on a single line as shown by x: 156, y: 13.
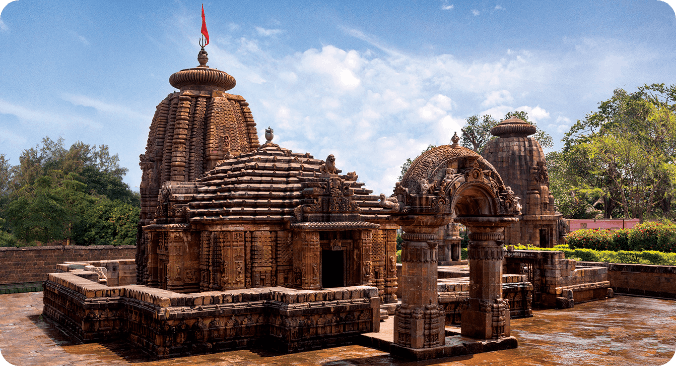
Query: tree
x: 625, y: 152
x: 477, y: 132
x: 53, y: 192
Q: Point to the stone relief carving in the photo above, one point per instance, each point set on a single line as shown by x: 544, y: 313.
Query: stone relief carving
x: 390, y: 203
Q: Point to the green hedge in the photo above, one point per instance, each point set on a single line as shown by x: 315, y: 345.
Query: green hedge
x: 648, y: 236
x: 611, y: 256
x: 607, y: 256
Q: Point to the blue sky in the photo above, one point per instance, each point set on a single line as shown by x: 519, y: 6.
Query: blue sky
x: 370, y: 82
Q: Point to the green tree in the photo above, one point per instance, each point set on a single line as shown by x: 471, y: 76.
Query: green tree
x: 51, y: 195
x: 477, y: 132
x: 624, y: 152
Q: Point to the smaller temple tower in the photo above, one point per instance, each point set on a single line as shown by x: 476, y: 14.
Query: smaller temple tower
x: 521, y: 163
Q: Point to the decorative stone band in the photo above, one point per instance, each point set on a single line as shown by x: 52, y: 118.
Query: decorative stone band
x: 351, y: 225
x: 202, y: 76
x: 485, y: 236
x: 485, y: 253
x: 419, y: 252
x: 418, y: 237
x: 171, y: 227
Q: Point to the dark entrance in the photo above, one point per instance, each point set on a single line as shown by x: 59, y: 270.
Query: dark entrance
x: 332, y: 268
x: 544, y: 238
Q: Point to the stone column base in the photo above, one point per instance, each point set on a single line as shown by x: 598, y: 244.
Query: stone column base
x: 485, y: 320
x: 419, y: 327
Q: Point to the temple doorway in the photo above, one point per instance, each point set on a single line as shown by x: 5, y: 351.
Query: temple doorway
x: 333, y: 264
x: 544, y: 238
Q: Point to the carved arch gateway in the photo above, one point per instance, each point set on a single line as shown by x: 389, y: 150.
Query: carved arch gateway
x: 451, y: 182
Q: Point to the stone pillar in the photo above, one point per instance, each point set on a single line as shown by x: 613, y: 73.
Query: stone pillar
x: 391, y: 284
x: 419, y: 321
x: 488, y: 313
x: 451, y: 244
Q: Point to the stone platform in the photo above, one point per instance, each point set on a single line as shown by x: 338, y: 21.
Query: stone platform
x: 456, y: 345
x: 170, y: 324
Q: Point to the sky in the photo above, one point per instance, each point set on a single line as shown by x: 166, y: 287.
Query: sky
x: 372, y: 82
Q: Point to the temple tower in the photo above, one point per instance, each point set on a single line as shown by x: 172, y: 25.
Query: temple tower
x: 192, y: 129
x: 521, y: 163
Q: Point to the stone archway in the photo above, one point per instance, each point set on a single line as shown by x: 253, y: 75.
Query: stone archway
x: 447, y: 183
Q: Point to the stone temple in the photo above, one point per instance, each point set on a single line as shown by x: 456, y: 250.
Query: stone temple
x: 248, y: 245
x: 221, y: 212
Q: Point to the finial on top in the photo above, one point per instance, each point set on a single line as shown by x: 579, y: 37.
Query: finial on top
x: 455, y: 139
x: 269, y: 135
x: 203, y: 58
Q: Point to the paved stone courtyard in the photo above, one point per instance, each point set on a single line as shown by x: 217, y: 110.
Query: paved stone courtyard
x: 620, y: 331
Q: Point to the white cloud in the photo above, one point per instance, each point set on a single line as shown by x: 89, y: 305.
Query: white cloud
x: 535, y: 114
x: 498, y: 7
x: 447, y: 7
x: 497, y: 97
x: 45, y: 118
x: 268, y: 32
x: 105, y: 108
x: 562, y: 124
x: 475, y: 12
x: 3, y: 4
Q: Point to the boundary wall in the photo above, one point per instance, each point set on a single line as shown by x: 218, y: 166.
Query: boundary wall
x: 25, y: 268
x: 640, y: 279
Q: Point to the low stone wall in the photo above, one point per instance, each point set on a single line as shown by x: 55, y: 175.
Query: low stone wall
x: 640, y: 279
x: 117, y: 272
x: 169, y: 324
x: 32, y: 264
x: 454, y: 294
x: 557, y: 281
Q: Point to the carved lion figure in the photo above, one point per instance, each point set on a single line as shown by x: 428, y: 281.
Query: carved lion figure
x: 329, y: 166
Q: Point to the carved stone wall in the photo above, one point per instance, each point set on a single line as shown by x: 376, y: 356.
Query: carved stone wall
x: 168, y: 324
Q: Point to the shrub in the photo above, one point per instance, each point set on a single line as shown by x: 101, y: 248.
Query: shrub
x: 646, y: 236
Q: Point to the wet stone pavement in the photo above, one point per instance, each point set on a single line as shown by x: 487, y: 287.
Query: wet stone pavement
x: 620, y: 331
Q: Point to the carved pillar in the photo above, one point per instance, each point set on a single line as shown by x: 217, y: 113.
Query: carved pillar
x: 390, y: 233
x: 488, y: 313
x: 205, y: 260
x: 153, y: 243
x: 175, y: 267
x: 367, y: 266
x: 419, y: 321
x: 307, y: 260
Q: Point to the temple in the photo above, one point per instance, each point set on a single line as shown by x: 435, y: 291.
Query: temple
x: 243, y: 244
x: 221, y: 212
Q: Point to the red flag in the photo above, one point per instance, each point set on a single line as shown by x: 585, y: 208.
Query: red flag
x: 204, y: 27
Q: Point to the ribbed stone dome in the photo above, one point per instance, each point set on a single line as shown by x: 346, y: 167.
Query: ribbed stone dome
x: 513, y: 127
x: 431, y: 165
x: 202, y: 77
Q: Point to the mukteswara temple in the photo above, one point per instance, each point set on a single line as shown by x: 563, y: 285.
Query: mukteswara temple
x: 243, y: 244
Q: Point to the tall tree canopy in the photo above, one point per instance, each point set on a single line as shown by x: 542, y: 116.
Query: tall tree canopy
x: 74, y: 194
x: 620, y: 159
